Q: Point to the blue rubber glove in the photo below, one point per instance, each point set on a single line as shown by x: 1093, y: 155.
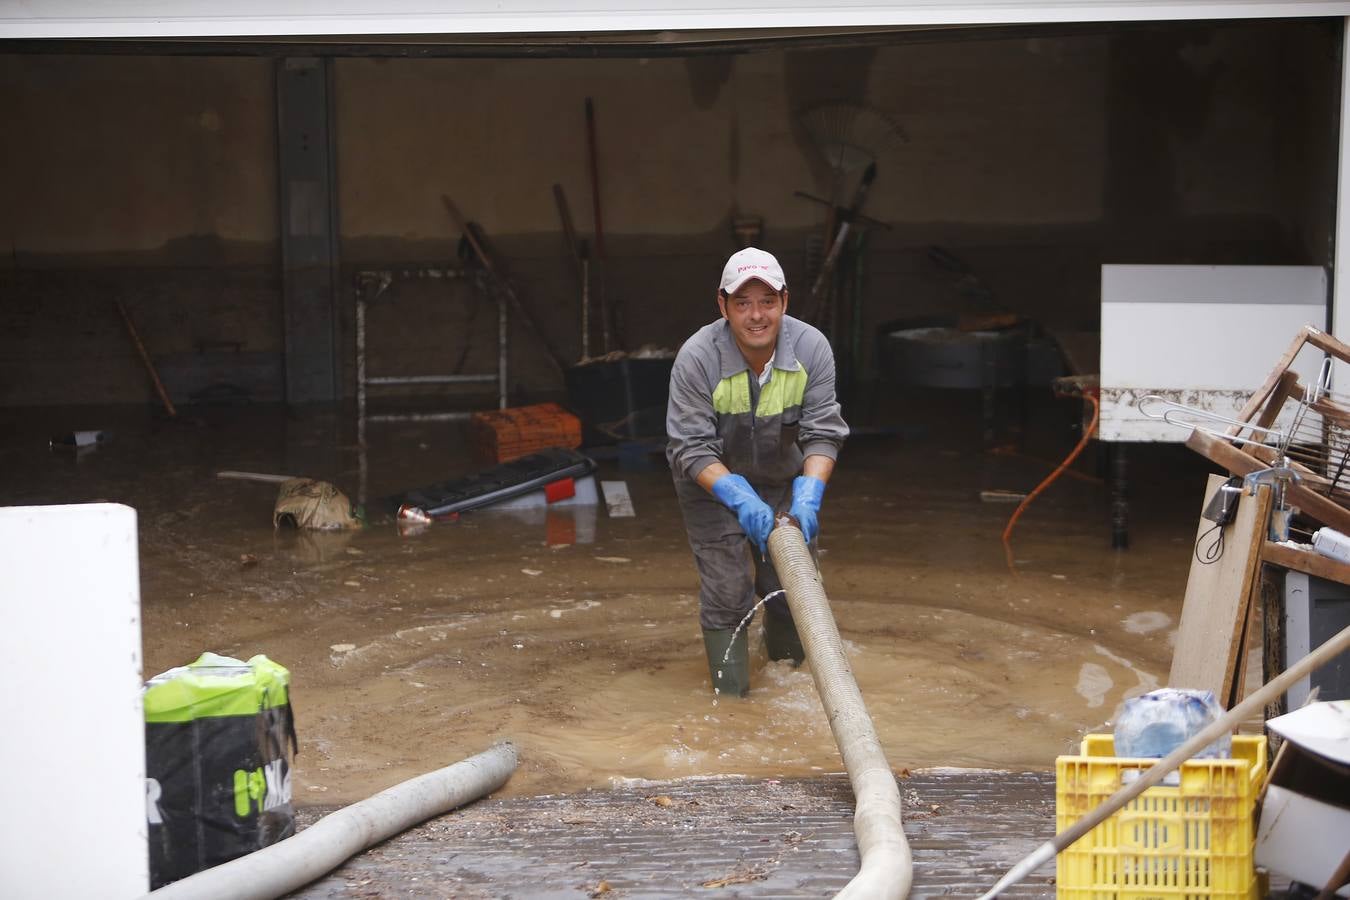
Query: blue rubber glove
x: 753, y: 513
x: 806, y: 494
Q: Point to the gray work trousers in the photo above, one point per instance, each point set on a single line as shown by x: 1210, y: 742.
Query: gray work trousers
x: 731, y: 575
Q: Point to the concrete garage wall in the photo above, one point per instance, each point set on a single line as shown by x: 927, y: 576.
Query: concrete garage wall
x: 149, y: 180
x: 1002, y: 136
x: 1034, y: 159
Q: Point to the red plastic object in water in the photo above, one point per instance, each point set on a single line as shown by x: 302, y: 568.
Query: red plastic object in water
x: 560, y: 528
x: 560, y: 490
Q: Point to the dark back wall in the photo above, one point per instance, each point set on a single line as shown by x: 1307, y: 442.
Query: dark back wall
x: 152, y: 180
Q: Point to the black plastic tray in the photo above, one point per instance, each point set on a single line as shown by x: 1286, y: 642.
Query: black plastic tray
x: 502, y: 482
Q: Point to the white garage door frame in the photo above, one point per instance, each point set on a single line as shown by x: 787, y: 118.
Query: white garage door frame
x: 664, y: 20
x: 54, y: 19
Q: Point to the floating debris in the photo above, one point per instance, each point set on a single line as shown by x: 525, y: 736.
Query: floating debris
x: 744, y: 877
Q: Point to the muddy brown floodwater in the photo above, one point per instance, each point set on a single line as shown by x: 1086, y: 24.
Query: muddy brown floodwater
x: 576, y: 635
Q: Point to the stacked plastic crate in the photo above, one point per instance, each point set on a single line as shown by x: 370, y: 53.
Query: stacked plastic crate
x: 506, y: 434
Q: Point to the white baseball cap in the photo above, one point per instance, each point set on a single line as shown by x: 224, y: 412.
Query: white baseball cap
x: 751, y: 263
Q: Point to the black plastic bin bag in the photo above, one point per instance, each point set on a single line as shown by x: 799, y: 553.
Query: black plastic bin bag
x: 219, y: 745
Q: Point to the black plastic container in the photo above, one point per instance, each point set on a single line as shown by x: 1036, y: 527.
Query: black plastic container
x: 501, y: 482
x: 620, y: 400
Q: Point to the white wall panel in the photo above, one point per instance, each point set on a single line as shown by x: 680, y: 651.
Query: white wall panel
x: 1204, y: 336
x: 74, y: 745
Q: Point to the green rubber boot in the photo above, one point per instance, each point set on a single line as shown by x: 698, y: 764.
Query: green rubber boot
x: 732, y: 677
x: 781, y: 638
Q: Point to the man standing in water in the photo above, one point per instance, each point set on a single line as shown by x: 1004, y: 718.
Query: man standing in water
x: 754, y: 428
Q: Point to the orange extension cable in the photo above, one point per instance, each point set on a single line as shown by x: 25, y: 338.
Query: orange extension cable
x: 1068, y: 461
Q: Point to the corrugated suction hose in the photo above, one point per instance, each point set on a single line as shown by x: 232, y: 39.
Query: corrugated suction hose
x: 331, y: 841
x: 887, y: 867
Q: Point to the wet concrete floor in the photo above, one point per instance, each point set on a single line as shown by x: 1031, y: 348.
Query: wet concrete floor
x: 783, y: 838
x: 576, y: 635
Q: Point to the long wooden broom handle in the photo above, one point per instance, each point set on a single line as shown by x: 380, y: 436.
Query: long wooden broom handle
x: 145, y: 358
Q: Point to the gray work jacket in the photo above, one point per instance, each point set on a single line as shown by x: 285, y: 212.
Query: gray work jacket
x: 715, y: 414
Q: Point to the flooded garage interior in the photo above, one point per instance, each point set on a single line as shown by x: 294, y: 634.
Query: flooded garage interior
x: 1013, y: 163
x: 576, y: 635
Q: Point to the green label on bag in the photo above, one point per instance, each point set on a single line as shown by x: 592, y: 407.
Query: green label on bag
x: 248, y: 788
x: 268, y: 786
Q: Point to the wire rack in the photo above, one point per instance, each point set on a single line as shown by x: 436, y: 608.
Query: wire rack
x: 1286, y: 422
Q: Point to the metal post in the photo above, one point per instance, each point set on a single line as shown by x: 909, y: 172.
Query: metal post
x: 363, y: 462
x: 360, y: 360
x: 1120, y: 502
x: 307, y: 179
x: 432, y: 379
x: 457, y: 416
x: 503, y: 332
x: 1339, y: 316
x: 988, y: 393
x: 585, y: 309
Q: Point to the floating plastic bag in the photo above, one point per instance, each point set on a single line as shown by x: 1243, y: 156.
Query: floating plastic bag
x: 1156, y: 723
x: 317, y: 505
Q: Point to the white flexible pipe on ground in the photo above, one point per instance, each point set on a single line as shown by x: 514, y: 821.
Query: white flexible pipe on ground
x: 887, y: 868
x: 331, y: 841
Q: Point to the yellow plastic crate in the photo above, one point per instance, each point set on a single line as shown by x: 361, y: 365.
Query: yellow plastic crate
x: 1188, y: 837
